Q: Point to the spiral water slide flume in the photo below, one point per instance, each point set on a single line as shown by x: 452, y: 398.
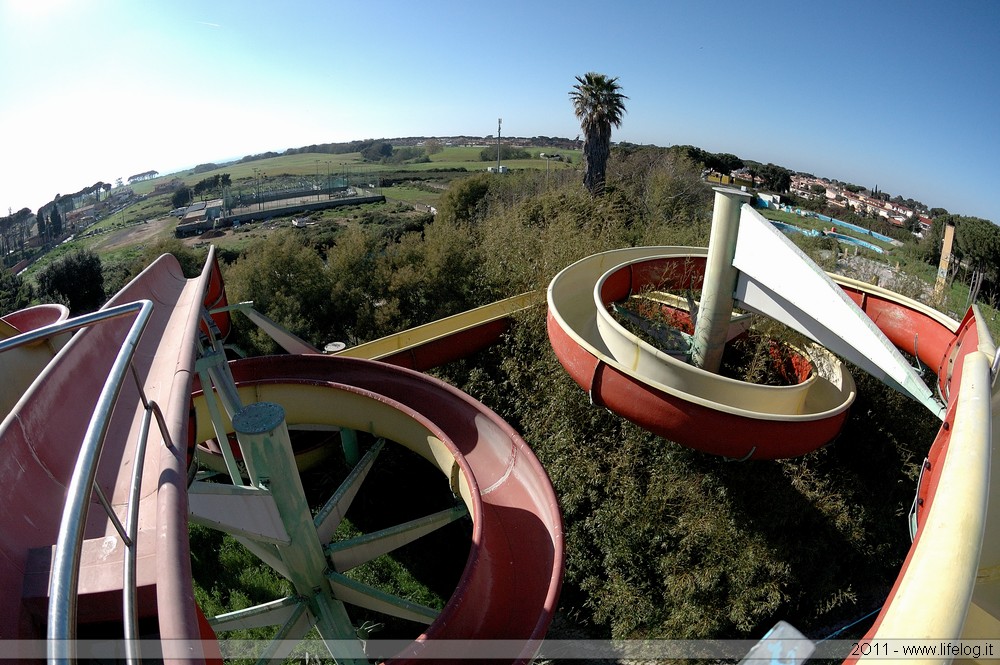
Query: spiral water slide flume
x: 511, y: 580
x: 668, y: 396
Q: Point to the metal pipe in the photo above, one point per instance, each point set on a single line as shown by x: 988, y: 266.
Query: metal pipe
x: 112, y: 515
x: 69, y: 325
x: 715, y: 311
x: 130, y: 612
x: 66, y: 559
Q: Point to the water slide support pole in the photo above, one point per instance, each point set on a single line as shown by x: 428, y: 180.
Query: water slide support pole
x: 715, y: 311
x: 263, y: 436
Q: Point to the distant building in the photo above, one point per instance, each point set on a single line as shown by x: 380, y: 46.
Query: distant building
x: 198, y: 217
x: 166, y: 187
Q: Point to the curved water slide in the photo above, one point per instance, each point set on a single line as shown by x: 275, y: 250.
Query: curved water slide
x: 949, y: 584
x: 510, y: 584
x: 671, y: 397
x: 20, y: 366
x: 453, y: 337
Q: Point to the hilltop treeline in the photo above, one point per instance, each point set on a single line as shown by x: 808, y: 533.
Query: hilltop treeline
x: 661, y: 541
x: 370, y: 145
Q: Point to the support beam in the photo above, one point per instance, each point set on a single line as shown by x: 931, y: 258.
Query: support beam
x: 332, y: 513
x: 237, y: 510
x: 944, y: 264
x: 347, y: 554
x: 263, y: 437
x: 363, y: 595
x: 274, y: 613
x: 778, y: 280
x: 349, y: 443
x: 712, y: 326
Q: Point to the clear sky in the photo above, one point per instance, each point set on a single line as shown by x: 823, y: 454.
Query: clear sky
x: 900, y: 94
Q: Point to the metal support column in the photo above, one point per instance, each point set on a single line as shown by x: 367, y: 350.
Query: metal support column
x: 715, y: 311
x: 349, y: 442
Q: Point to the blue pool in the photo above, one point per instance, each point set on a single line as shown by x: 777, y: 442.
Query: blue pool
x: 841, y: 238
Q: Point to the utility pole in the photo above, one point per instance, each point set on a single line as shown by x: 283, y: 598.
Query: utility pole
x: 499, y: 121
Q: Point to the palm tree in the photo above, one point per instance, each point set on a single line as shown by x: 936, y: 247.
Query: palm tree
x: 598, y: 104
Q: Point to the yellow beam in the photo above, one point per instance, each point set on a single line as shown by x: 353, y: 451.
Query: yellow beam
x: 442, y: 328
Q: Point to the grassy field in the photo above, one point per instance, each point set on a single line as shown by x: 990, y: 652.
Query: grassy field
x: 409, y: 194
x: 313, y: 164
x: 307, y: 164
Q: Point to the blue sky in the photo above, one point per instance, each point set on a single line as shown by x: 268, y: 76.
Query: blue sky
x: 903, y: 95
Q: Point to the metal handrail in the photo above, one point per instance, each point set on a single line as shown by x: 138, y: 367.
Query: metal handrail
x: 130, y: 604
x: 70, y: 325
x: 66, y: 559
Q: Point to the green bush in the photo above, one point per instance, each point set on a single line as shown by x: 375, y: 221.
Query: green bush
x: 75, y: 279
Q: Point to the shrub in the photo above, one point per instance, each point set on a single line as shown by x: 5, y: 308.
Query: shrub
x: 76, y: 279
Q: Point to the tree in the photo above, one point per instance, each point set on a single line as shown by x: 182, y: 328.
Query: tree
x: 208, y: 184
x: 723, y: 162
x: 776, y: 178
x: 181, y: 197
x: 15, y: 293
x: 507, y: 152
x: 56, y: 220
x: 978, y: 241
x: 432, y: 146
x: 462, y: 199
x: 76, y: 278
x: 598, y: 104
x: 288, y: 282
x: 377, y: 152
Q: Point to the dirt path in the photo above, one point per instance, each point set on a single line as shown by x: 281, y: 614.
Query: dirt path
x: 134, y: 234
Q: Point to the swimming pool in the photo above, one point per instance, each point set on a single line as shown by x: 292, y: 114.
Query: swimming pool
x: 855, y: 227
x: 796, y: 229
x: 854, y: 241
x: 840, y: 237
